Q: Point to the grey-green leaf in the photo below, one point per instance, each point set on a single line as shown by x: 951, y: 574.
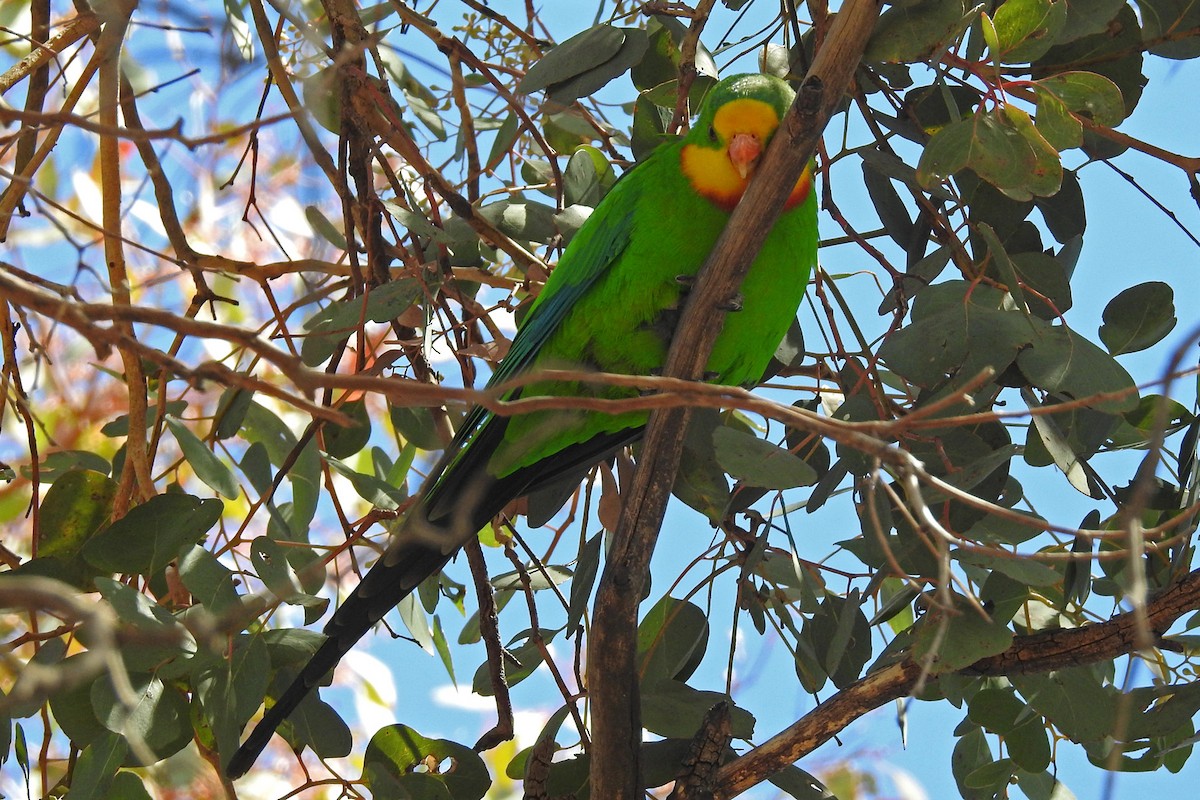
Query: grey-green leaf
x: 758, y: 462
x: 205, y: 463
x: 1138, y: 318
x: 151, y: 535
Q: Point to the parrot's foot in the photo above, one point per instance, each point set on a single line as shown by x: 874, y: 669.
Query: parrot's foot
x: 685, y: 280
x: 734, y: 303
x: 653, y: 372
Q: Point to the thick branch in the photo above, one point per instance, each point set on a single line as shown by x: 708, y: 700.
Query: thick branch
x: 1038, y: 652
x: 611, y: 674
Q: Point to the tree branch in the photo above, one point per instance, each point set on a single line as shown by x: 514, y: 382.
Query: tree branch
x: 611, y: 673
x: 1038, y: 652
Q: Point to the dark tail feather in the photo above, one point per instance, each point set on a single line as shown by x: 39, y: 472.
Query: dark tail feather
x: 459, y: 506
x: 393, y: 578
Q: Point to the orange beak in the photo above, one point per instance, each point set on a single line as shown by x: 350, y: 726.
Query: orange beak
x: 744, y: 150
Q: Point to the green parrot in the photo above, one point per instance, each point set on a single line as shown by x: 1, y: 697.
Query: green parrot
x: 609, y: 305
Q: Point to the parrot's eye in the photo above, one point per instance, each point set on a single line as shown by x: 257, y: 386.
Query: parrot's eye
x: 712, y: 133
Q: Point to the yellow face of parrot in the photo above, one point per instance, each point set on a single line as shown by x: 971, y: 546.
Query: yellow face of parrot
x: 721, y: 166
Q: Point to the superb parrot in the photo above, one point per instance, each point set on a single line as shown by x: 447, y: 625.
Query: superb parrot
x: 609, y: 305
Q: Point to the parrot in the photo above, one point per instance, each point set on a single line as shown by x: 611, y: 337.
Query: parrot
x: 608, y: 305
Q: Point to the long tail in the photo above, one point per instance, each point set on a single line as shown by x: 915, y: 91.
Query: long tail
x: 461, y: 503
x: 394, y: 577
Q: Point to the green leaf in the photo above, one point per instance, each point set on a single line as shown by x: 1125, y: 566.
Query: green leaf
x: 1114, y: 51
x: 443, y: 648
x: 1043, y: 786
x: 1162, y: 710
x: 371, y: 488
x: 758, y: 462
x: 1002, y: 263
x: 1141, y: 424
x: 526, y: 657
x: 231, y: 412
x: 316, y: 724
x: 659, y: 67
x: 97, y: 766
x: 587, y: 178
x: 321, y: 224
x: 951, y: 639
x: 672, y: 708
x: 1051, y: 296
x: 1164, y: 25
x: 1073, y: 699
x: 1063, y: 362
x: 956, y: 332
x: 153, y: 534
x: 343, y: 442
x: 1021, y: 569
x: 271, y: 566
x: 671, y: 640
x: 396, y: 752
x: 417, y: 425
x: 1002, y: 146
x: 1000, y: 530
x: 149, y: 619
x: 120, y: 426
x: 575, y: 56
x: 1088, y: 93
x: 230, y: 692
x: 996, y: 709
x: 649, y: 130
x: 263, y: 426
x: 158, y: 715
x: 632, y: 49
x: 891, y: 209
x: 333, y: 324
x: 522, y: 219
x: 210, y: 581
x: 1058, y: 448
x: 541, y: 578
x: 54, y: 465
x: 840, y: 634
x: 207, y: 466
x: 506, y: 138
x: 1029, y: 745
x: 970, y: 754
x: 915, y: 30
x: 800, y: 785
x: 1139, y: 317
x: 1088, y: 17
x: 700, y: 481
x: 75, y: 507
x: 991, y: 777
x: 1056, y: 124
x: 1083, y: 93
x: 1026, y: 29
x: 427, y: 114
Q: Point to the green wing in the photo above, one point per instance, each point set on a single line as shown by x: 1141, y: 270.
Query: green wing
x: 601, y: 241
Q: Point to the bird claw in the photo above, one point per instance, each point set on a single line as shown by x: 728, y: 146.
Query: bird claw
x: 653, y: 372
x: 734, y: 303
x: 685, y: 280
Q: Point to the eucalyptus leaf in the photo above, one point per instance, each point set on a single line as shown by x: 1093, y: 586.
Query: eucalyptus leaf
x: 1139, y: 317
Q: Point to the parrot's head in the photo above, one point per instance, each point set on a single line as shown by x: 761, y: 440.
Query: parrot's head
x: 736, y: 121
